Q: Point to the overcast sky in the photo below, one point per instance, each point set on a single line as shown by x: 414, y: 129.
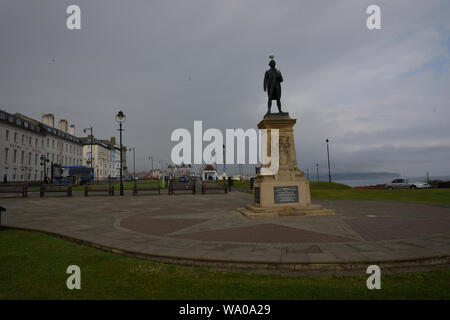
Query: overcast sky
x: 380, y: 96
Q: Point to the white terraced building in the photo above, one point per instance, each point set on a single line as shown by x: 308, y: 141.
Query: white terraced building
x: 23, y: 141
x: 105, y: 157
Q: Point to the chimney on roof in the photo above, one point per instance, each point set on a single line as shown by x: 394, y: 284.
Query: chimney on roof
x: 62, y: 125
x: 72, y: 130
x: 48, y: 119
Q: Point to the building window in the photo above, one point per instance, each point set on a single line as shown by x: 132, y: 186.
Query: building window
x: 35, y: 159
x: 15, y: 136
x: 36, y: 142
x: 53, y: 144
x: 7, y: 135
x: 42, y: 143
x: 48, y: 142
x: 22, y: 155
x: 23, y: 139
x: 29, y: 158
x: 15, y: 156
x: 6, y: 154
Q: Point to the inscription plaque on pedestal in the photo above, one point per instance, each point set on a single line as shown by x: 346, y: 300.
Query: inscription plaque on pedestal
x: 257, y: 194
x: 285, y: 194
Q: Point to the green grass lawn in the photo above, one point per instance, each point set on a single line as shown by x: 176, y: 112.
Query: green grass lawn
x: 326, y: 190
x: 33, y: 266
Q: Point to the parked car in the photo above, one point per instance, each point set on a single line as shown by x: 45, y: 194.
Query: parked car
x: 405, y: 184
x: 183, y: 179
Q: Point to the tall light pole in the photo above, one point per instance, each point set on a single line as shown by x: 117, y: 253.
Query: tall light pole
x: 92, y: 142
x: 44, y: 161
x: 328, y: 154
x: 120, y: 118
x: 151, y: 157
x: 161, y: 172
x: 223, y: 146
x: 134, y: 162
x: 317, y: 166
x: 215, y: 159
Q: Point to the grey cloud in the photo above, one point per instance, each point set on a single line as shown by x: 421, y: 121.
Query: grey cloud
x: 168, y: 63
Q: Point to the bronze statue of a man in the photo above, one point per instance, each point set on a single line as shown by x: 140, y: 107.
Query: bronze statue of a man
x: 272, y: 80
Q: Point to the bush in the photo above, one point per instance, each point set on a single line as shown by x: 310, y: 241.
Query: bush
x: 439, y: 184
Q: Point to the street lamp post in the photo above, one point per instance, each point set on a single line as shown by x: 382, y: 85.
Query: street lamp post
x: 317, y: 166
x: 215, y: 159
x: 223, y: 146
x: 134, y: 162
x: 44, y: 161
x: 328, y: 154
x: 161, y: 172
x: 120, y: 118
x: 92, y: 142
x: 151, y: 157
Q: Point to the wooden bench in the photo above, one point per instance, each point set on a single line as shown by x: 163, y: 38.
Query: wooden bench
x: 1, y: 210
x: 99, y: 187
x: 213, y: 186
x: 66, y: 188
x: 146, y: 186
x: 14, y: 188
x: 181, y: 186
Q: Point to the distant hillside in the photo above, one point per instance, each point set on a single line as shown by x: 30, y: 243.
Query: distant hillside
x: 364, y: 175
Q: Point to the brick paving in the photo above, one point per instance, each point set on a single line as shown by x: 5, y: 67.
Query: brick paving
x: 207, y: 230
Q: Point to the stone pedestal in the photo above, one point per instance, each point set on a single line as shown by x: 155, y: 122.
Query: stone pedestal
x: 285, y: 193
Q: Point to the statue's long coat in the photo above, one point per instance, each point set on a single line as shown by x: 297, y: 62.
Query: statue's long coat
x: 272, y: 80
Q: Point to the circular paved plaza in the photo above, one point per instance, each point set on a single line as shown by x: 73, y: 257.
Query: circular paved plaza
x: 206, y: 230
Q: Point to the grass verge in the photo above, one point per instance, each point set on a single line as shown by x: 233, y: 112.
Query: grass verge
x: 326, y: 190
x: 33, y: 266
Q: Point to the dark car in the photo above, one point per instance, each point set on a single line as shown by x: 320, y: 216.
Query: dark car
x: 183, y: 179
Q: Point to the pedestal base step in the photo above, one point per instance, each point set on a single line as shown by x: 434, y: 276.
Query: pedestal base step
x: 257, y: 212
